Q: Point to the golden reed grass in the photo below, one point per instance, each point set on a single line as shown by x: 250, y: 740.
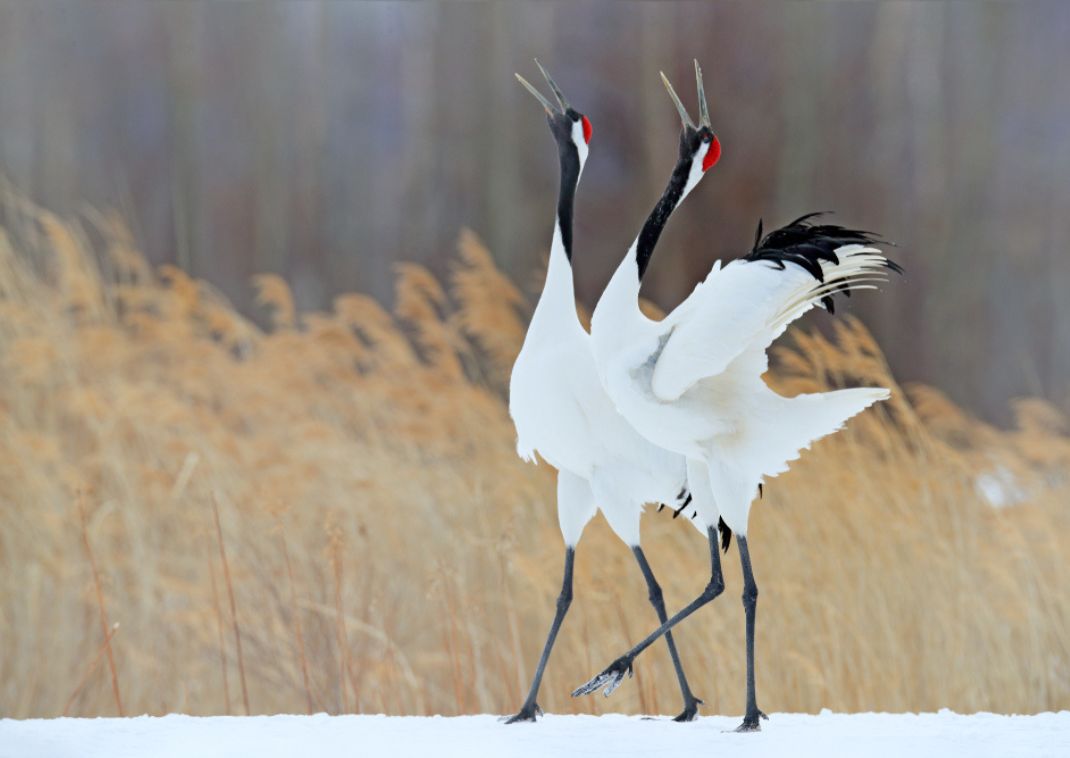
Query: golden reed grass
x: 340, y: 492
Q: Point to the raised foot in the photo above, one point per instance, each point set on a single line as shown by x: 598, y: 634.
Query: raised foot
x: 527, y: 713
x: 690, y: 712
x: 751, y: 722
x: 610, y: 679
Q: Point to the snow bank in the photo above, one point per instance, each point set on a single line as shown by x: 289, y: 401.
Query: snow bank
x: 872, y: 735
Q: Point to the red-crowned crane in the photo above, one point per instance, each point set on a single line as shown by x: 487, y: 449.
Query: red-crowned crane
x: 691, y: 383
x: 562, y: 412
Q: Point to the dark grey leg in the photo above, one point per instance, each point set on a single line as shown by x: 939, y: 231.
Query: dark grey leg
x: 614, y: 674
x: 691, y: 702
x: 531, y: 709
x: 750, y: 606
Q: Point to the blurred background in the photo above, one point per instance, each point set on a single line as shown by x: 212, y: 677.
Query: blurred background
x: 328, y: 141
x: 264, y: 269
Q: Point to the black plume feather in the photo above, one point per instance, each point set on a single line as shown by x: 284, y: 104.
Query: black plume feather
x: 807, y: 244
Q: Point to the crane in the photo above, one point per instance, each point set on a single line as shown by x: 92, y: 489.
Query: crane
x: 691, y: 383
x: 562, y: 412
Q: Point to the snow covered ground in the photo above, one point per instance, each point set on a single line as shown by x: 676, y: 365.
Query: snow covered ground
x: 870, y: 735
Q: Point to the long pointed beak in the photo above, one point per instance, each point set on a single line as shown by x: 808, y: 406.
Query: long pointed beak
x: 536, y: 94
x: 553, y: 85
x: 684, y: 117
x: 703, y: 108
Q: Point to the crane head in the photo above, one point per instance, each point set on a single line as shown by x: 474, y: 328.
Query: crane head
x: 569, y: 126
x: 698, y: 144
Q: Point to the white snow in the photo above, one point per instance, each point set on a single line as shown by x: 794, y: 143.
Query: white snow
x: 872, y: 735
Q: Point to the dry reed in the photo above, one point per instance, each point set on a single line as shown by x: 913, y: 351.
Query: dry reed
x: 233, y: 605
x: 91, y: 669
x: 107, y: 631
x: 888, y: 579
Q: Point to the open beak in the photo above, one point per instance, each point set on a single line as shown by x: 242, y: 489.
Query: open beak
x: 550, y: 108
x: 703, y: 108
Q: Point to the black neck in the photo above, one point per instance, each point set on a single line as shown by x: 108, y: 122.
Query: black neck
x: 566, y: 196
x: 655, y: 222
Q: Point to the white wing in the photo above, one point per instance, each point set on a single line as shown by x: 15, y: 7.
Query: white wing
x: 748, y: 304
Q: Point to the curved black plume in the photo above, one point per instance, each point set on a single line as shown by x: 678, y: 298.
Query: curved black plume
x: 806, y: 244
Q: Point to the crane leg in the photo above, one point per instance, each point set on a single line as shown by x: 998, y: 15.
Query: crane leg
x: 614, y: 674
x: 531, y: 709
x: 751, y: 720
x: 691, y: 703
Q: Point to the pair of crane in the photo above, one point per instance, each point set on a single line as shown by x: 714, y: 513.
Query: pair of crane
x: 674, y: 411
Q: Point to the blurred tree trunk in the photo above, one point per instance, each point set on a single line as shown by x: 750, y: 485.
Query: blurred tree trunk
x: 183, y: 57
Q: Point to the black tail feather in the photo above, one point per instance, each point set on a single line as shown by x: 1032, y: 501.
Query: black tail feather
x: 726, y: 534
x: 680, y: 510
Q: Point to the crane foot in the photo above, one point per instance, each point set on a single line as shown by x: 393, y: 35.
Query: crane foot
x: 751, y: 722
x: 529, y: 712
x: 609, y: 679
